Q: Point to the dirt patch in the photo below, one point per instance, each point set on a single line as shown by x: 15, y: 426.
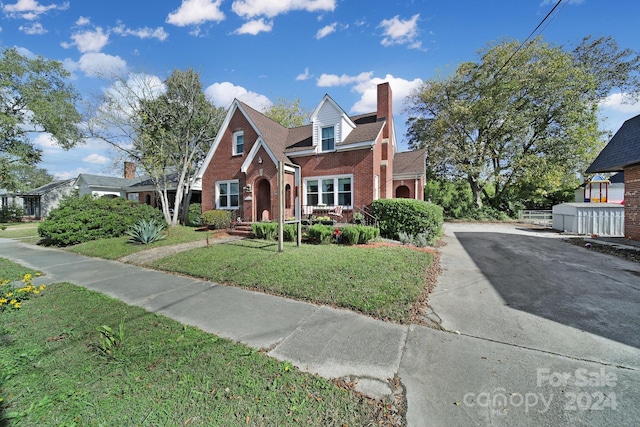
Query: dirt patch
x: 624, y: 253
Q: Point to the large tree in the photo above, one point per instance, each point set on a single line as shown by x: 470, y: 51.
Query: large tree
x: 165, y: 127
x: 35, y: 97
x: 521, y: 119
x: 288, y: 113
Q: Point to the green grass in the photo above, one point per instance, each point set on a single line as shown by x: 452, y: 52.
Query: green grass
x: 26, y: 232
x: 120, y: 246
x: 11, y: 271
x: 53, y: 371
x: 385, y: 282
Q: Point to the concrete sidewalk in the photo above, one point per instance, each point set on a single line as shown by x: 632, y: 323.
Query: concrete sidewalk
x: 448, y: 379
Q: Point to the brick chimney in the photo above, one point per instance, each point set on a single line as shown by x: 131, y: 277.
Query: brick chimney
x: 385, y: 104
x: 129, y: 170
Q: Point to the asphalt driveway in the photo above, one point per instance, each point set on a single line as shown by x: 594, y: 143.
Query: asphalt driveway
x: 541, y: 332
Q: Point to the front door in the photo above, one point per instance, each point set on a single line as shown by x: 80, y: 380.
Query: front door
x: 263, y: 204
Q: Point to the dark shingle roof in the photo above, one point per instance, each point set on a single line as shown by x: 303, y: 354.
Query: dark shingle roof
x: 409, y: 162
x: 274, y: 134
x: 48, y: 187
x: 106, y: 181
x: 623, y: 149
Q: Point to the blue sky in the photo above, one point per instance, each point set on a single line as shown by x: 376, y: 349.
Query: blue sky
x: 263, y: 50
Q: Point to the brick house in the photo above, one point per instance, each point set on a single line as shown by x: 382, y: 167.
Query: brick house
x: 344, y: 161
x: 622, y: 153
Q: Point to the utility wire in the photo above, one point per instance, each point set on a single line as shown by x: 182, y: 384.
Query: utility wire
x: 529, y: 36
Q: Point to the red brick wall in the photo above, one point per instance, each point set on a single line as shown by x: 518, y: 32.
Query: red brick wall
x: 224, y: 165
x: 411, y: 184
x: 632, y: 202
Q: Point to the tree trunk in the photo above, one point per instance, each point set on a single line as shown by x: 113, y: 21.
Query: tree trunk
x: 476, y: 191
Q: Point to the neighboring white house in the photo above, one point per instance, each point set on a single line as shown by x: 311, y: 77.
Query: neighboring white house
x: 99, y: 186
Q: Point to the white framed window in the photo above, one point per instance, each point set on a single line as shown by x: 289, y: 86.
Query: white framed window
x: 328, y: 139
x: 238, y: 143
x: 329, y: 191
x: 228, y: 194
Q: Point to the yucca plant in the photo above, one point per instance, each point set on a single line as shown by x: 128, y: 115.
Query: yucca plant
x: 145, y: 232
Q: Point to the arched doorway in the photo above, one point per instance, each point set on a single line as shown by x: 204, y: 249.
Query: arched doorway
x: 402, y: 192
x: 263, y: 204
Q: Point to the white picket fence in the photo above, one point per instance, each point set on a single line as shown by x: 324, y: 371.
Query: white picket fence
x: 538, y: 217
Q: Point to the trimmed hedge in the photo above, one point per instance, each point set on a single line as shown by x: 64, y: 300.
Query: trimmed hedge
x: 269, y: 231
x: 408, y: 216
x: 81, y: 219
x: 217, y: 219
x: 358, y: 234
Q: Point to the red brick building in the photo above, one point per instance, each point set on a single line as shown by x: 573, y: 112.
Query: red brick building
x: 622, y: 153
x: 344, y: 161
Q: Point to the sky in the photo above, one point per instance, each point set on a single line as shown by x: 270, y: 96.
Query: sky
x: 261, y: 51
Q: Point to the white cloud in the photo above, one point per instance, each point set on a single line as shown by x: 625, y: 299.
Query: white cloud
x: 326, y: 30
x: 98, y: 64
x: 83, y: 21
x: 30, y: 9
x: 330, y: 80
x: 621, y: 102
x: 143, y: 33
x: 34, y: 29
x: 304, y: 76
x: 89, y: 41
x: 45, y: 141
x: 400, y: 88
x: 272, y: 8
x: 398, y: 31
x: 96, y: 159
x: 194, y: 12
x: 70, y: 174
x: 222, y: 94
x: 254, y: 27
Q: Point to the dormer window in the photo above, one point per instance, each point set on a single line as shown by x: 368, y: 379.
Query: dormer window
x: 328, y: 139
x: 238, y: 143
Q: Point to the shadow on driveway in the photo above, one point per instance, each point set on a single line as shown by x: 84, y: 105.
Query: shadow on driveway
x: 561, y: 282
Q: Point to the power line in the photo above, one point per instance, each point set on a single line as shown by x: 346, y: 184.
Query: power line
x: 530, y: 35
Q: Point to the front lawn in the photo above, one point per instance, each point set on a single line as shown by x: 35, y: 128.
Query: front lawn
x: 25, y: 232
x: 384, y: 282
x: 118, y: 247
x: 59, y: 365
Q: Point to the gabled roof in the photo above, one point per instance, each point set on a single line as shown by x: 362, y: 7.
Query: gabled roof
x: 107, y: 181
x: 48, y: 187
x: 623, y: 150
x: 273, y: 133
x: 408, y: 163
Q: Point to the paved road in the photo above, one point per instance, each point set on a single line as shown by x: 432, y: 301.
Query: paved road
x: 534, y: 320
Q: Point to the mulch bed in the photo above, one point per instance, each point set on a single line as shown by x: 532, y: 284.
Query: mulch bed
x: 627, y: 254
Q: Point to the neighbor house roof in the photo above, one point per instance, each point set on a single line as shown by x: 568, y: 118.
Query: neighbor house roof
x: 47, y: 187
x: 107, y: 181
x: 409, y: 163
x: 623, y: 150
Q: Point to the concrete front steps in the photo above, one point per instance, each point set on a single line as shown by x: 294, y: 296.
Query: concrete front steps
x: 242, y: 229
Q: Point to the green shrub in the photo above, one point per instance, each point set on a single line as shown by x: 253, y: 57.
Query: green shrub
x: 350, y: 235
x: 11, y: 213
x: 319, y: 233
x: 194, y: 216
x: 81, y: 219
x: 420, y: 240
x: 144, y: 232
x: 217, y: 219
x: 269, y: 231
x: 408, y: 216
x: 265, y: 230
x: 290, y: 232
x: 367, y: 233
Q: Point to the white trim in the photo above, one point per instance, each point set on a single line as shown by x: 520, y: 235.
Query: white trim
x: 227, y: 182
x: 234, y: 143
x: 254, y: 151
